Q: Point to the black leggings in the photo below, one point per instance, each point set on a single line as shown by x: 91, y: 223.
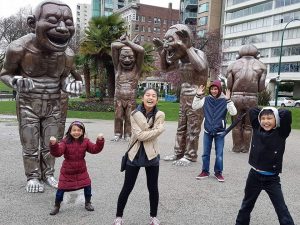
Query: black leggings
x: 131, y: 174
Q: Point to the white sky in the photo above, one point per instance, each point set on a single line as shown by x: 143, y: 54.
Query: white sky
x: 9, y: 7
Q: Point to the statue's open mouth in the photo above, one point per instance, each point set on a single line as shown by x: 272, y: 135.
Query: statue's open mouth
x: 170, y: 53
x: 59, y: 41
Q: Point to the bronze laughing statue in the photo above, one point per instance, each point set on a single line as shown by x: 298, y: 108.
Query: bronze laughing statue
x: 37, y: 66
x: 176, y: 52
x: 245, y: 78
x: 128, y: 58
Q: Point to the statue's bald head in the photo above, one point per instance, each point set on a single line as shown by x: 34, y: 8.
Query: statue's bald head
x: 180, y: 27
x: 39, y: 8
x: 248, y: 50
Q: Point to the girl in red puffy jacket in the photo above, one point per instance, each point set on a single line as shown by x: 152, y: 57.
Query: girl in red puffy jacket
x: 73, y: 173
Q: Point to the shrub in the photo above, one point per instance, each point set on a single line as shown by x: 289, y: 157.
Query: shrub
x: 264, y: 97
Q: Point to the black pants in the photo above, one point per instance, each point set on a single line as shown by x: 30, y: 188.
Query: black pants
x: 131, y: 174
x: 257, y: 182
x: 87, y: 193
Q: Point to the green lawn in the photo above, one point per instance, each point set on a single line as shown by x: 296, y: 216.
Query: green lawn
x: 170, y: 109
x: 4, y: 87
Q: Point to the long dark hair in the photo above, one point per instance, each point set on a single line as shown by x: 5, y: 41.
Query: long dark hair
x: 69, y: 137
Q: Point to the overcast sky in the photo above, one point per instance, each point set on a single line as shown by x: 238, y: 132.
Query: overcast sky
x: 9, y: 7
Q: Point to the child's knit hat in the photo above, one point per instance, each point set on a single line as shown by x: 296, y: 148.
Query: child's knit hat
x: 275, y: 112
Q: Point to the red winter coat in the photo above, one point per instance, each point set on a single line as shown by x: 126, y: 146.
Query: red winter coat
x: 73, y: 173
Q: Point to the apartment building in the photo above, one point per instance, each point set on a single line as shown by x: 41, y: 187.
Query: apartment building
x: 201, y: 15
x: 148, y: 21
x: 106, y: 7
x: 262, y: 23
x: 83, y: 15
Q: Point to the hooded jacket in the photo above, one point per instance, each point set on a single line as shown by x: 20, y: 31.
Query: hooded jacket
x: 73, y: 173
x: 267, y: 147
x: 215, y: 109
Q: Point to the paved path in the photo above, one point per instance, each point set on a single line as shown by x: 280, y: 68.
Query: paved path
x: 183, y: 199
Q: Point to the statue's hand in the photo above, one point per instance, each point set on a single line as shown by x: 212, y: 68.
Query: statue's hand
x: 158, y: 44
x: 22, y: 84
x: 75, y: 87
x: 186, y: 41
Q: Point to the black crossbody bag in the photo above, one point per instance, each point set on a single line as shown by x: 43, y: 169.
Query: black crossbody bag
x: 125, y: 157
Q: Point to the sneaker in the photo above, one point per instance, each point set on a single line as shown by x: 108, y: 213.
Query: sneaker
x: 202, y: 175
x: 154, y: 221
x: 118, y: 221
x: 219, y: 177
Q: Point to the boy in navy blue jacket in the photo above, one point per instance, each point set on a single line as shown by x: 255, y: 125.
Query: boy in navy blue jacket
x: 215, y: 107
x: 270, y: 127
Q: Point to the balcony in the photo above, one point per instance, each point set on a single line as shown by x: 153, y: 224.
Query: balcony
x: 191, y: 4
x: 190, y: 18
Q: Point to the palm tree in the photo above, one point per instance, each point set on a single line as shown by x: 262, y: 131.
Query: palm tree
x: 148, y: 65
x: 83, y: 61
x: 102, y: 31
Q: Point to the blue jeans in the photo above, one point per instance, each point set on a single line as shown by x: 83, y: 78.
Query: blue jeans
x: 219, y: 145
x: 257, y: 182
x: 87, y: 193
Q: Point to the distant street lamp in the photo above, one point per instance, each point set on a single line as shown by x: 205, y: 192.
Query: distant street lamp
x: 279, y: 64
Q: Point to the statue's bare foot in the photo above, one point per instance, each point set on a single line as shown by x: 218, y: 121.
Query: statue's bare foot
x: 244, y: 150
x: 52, y: 182
x: 236, y: 150
x: 116, y: 138
x: 34, y: 186
x: 170, y: 158
x: 126, y: 138
x: 182, y: 162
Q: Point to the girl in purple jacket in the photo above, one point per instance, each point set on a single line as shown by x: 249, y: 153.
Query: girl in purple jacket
x: 73, y: 173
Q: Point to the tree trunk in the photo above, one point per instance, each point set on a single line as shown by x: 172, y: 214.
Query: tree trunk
x: 110, y: 80
x: 87, y: 79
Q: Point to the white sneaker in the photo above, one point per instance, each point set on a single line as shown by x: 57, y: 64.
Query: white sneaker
x: 154, y: 221
x: 118, y: 221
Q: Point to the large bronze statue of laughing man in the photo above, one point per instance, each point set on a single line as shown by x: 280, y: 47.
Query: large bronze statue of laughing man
x: 37, y: 66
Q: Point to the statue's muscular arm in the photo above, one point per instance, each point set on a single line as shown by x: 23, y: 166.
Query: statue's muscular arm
x: 197, y: 59
x: 263, y: 72
x: 11, y: 64
x: 230, y: 77
x: 115, y: 51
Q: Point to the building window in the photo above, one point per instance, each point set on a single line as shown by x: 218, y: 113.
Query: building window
x: 250, y: 10
x: 203, y: 21
x: 149, y: 19
x: 142, y: 38
x: 143, y: 19
x: 281, y: 3
x: 203, y: 8
x: 143, y: 29
x: 201, y: 33
x: 149, y: 29
x: 136, y: 27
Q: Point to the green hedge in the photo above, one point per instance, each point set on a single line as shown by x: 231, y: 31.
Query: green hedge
x: 90, y: 106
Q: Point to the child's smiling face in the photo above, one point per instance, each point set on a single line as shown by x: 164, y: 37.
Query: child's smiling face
x: 268, y: 122
x: 76, y: 132
x: 214, y: 91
